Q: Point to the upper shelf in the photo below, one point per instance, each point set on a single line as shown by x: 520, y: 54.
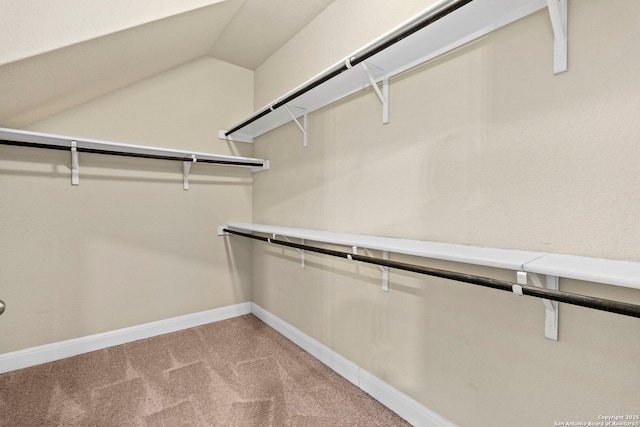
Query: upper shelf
x: 46, y: 140
x: 611, y: 272
x: 439, y: 29
x: 74, y: 145
x: 492, y: 257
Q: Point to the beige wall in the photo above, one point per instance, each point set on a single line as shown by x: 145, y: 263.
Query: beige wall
x: 128, y: 245
x: 486, y: 147
x: 342, y: 28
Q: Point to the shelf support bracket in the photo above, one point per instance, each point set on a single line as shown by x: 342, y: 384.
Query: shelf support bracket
x: 300, y: 251
x: 265, y: 166
x: 186, y: 168
x: 75, y: 167
x: 550, y: 307
x: 383, y: 95
x: 383, y: 269
x: 385, y: 272
x: 558, y: 15
x: 303, y: 126
x: 239, y: 137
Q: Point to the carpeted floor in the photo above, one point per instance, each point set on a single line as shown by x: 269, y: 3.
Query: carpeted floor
x: 238, y: 372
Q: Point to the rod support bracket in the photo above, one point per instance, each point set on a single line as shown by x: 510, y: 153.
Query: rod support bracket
x: 237, y: 137
x: 265, y: 166
x: 383, y: 95
x: 186, y: 168
x: 550, y: 307
x: 300, y: 251
x: 303, y: 126
x: 383, y: 269
x: 75, y: 167
x: 558, y: 15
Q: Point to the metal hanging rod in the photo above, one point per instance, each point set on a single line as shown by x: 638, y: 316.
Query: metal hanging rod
x: 185, y: 157
x: 595, y: 303
x: 444, y: 9
x: 74, y: 145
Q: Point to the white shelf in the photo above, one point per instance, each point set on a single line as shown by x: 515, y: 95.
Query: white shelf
x: 75, y: 145
x: 465, y: 24
x: 492, y: 257
x: 611, y: 272
x: 45, y: 140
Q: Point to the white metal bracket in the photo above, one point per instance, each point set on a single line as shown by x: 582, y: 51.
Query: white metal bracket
x: 303, y: 126
x: 383, y: 269
x: 300, y: 251
x: 186, y: 168
x: 383, y: 95
x: 385, y: 272
x: 75, y: 168
x: 238, y: 137
x: 265, y: 166
x: 551, y: 307
x: 558, y: 14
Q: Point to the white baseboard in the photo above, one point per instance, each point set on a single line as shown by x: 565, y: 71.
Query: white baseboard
x: 342, y: 366
x: 406, y: 407
x: 60, y: 350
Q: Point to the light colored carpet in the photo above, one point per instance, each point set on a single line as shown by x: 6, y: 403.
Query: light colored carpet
x: 237, y: 372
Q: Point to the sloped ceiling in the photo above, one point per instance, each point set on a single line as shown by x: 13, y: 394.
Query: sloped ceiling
x: 32, y: 27
x: 58, y: 54
x: 261, y: 27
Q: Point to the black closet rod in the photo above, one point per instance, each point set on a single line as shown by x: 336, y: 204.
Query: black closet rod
x: 357, y: 58
x: 611, y: 306
x: 125, y: 154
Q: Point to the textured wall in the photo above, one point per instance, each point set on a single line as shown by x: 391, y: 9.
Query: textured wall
x: 128, y: 245
x: 486, y: 147
x: 32, y: 27
x: 43, y: 85
x: 342, y: 28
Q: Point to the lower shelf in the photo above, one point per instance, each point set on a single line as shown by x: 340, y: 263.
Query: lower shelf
x: 598, y: 270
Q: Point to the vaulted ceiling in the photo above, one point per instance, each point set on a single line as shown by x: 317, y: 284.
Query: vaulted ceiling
x: 60, y: 53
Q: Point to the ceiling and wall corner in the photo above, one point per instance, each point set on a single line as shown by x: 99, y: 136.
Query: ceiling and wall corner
x: 32, y: 27
x: 40, y: 86
x: 341, y: 29
x: 261, y: 27
x: 61, y: 54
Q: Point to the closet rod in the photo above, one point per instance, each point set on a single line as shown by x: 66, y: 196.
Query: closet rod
x: 445, y: 8
x: 128, y: 154
x: 601, y: 304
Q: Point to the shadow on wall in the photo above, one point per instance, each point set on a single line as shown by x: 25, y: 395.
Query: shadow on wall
x: 239, y: 257
x: 127, y: 241
x: 56, y: 164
